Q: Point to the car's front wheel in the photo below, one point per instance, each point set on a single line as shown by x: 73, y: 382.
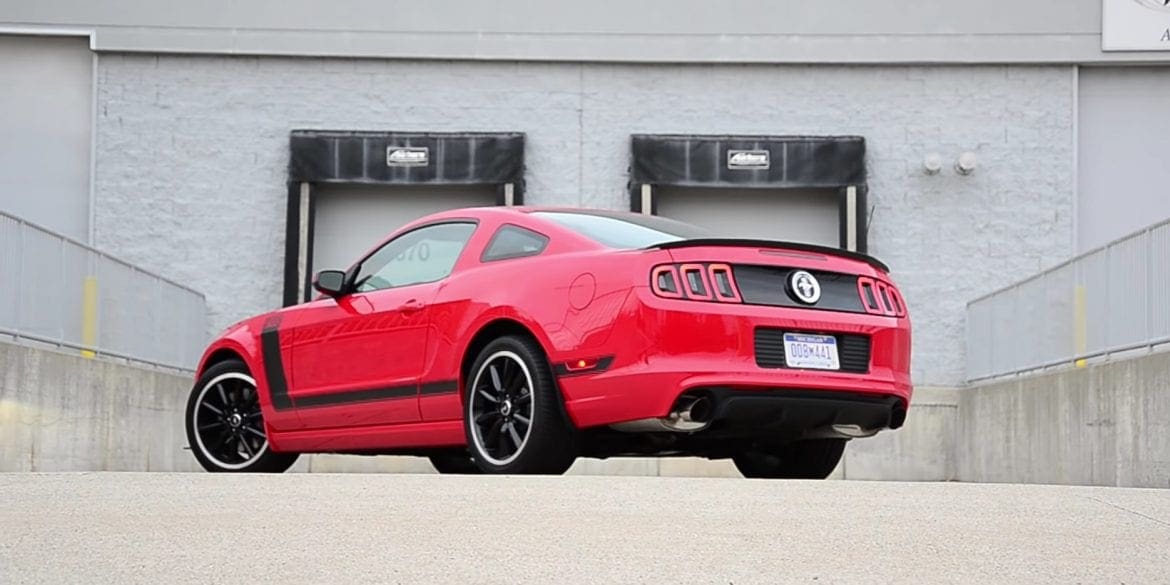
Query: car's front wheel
x: 513, y: 415
x: 814, y: 459
x: 225, y: 427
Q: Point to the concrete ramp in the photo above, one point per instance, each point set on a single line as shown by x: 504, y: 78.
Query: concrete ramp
x: 354, y: 528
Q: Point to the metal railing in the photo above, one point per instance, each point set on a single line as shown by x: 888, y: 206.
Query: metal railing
x: 1113, y: 299
x: 56, y: 290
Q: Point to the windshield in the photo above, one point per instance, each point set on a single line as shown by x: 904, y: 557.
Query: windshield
x: 624, y: 230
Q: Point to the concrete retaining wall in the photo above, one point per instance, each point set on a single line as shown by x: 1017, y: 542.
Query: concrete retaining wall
x: 1105, y: 424
x: 922, y: 450
x: 62, y: 412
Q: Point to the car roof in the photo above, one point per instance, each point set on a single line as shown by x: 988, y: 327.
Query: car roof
x: 516, y: 210
x: 521, y: 215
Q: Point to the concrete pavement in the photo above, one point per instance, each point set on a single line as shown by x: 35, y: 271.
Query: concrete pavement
x: 322, y: 528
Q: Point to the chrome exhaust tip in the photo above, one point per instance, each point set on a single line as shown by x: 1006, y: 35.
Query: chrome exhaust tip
x: 854, y: 431
x: 692, y: 414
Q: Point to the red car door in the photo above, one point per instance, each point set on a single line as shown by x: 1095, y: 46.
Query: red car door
x: 357, y: 359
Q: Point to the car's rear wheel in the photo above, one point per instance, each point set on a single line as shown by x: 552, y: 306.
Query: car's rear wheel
x: 454, y: 463
x: 225, y: 427
x: 514, y: 418
x: 814, y: 459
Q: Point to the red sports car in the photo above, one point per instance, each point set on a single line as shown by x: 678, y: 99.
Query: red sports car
x: 514, y: 340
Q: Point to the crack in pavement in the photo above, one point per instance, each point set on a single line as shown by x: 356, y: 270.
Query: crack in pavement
x: 1134, y: 512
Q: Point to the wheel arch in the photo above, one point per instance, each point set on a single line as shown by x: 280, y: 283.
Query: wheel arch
x: 226, y: 349
x: 219, y: 356
x: 494, y: 329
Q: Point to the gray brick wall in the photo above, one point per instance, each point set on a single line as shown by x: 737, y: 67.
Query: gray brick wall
x: 192, y: 155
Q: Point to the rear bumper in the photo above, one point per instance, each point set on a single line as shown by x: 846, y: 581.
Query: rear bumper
x: 664, y: 348
x: 777, y: 412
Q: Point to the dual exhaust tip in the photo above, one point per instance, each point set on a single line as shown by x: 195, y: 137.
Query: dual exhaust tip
x: 694, y: 413
x: 691, y: 414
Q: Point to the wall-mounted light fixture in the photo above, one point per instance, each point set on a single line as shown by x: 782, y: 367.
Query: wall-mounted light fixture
x: 932, y: 163
x: 966, y: 163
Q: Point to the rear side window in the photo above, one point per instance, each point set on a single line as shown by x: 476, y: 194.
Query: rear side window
x: 514, y: 242
x: 624, y: 230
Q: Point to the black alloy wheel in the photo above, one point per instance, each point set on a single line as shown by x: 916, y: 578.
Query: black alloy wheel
x: 515, y: 420
x: 501, y: 407
x: 225, y: 426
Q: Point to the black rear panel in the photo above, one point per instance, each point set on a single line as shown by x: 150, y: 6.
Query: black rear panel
x: 853, y: 350
x: 768, y: 285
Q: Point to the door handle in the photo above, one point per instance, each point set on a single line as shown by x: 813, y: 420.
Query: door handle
x: 411, y: 306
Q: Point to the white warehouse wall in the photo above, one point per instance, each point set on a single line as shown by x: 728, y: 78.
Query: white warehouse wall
x: 1123, y: 133
x: 192, y: 155
x: 46, y: 103
x: 665, y: 31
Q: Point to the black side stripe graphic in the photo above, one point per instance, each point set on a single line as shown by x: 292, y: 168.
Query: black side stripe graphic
x: 376, y: 394
x: 273, y: 365
x: 362, y: 395
x: 443, y: 387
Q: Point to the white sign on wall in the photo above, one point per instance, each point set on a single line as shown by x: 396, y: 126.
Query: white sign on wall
x: 1135, y: 25
x: 406, y: 156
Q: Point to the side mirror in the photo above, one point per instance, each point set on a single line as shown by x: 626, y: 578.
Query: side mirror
x: 330, y: 282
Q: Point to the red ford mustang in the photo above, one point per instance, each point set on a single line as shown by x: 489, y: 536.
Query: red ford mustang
x: 514, y: 340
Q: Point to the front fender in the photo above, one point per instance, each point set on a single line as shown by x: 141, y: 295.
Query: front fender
x: 243, y: 340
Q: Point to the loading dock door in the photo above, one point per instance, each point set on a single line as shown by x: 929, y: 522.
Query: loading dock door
x: 798, y: 188
x: 795, y: 215
x: 348, y: 220
x: 348, y: 190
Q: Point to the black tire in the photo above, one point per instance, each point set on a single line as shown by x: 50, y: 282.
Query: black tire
x: 454, y: 464
x: 495, y: 407
x: 814, y: 459
x: 225, y: 428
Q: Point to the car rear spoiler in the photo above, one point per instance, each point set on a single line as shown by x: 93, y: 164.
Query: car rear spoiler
x: 750, y: 243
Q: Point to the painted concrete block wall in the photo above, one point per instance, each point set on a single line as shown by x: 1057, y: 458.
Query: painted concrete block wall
x: 192, y: 155
x: 61, y: 412
x: 1106, y: 424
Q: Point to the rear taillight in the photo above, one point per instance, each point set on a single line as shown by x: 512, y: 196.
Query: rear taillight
x: 723, y: 283
x: 695, y: 281
x: 664, y: 281
x: 880, y: 298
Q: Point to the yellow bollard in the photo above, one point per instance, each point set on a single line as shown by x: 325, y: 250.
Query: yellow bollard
x: 89, y: 312
x: 1080, y: 325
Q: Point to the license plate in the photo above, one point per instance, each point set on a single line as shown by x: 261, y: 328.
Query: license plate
x: 818, y: 352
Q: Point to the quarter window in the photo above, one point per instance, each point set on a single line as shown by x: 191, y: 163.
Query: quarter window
x: 514, y: 242
x: 625, y: 230
x: 427, y: 254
